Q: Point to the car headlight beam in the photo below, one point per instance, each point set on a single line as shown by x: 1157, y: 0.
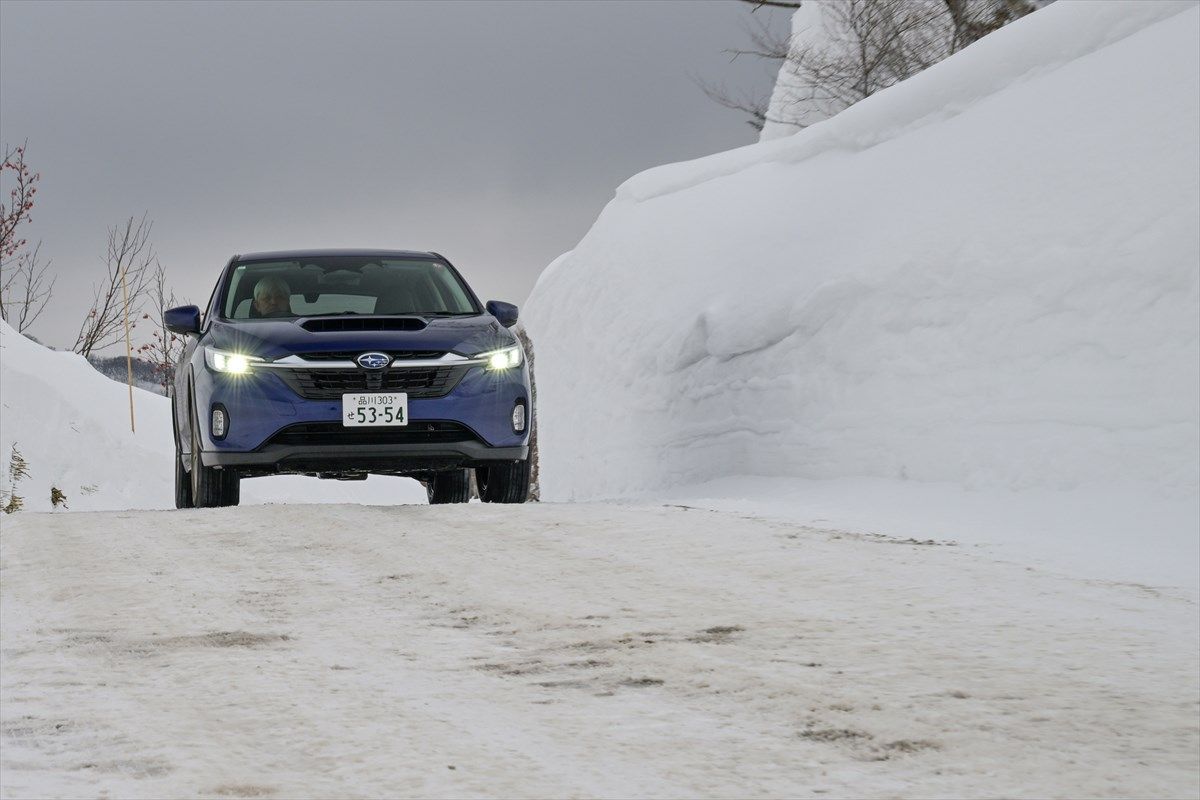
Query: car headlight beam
x: 225, y: 361
x: 507, y: 358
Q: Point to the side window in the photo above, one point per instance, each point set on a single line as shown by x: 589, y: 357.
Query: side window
x: 235, y: 281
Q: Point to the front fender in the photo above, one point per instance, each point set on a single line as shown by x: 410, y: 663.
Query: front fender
x: 181, y: 410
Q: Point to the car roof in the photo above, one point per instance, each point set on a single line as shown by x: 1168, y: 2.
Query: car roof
x: 292, y: 255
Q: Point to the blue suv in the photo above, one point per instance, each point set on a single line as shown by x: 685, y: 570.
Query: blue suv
x: 344, y: 363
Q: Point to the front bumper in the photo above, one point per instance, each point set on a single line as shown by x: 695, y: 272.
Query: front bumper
x: 384, y: 459
x: 261, y: 405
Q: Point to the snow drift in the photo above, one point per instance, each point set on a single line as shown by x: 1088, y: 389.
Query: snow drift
x: 986, y: 275
x: 71, y: 424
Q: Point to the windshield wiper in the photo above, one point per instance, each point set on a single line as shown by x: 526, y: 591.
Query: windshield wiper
x: 447, y: 314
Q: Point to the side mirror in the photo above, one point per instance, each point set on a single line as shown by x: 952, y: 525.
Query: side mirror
x: 506, y: 313
x: 185, y: 319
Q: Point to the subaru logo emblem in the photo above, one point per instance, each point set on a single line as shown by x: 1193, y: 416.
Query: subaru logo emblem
x: 373, y: 360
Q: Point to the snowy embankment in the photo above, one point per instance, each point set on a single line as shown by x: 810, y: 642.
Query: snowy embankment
x: 71, y: 425
x: 978, y: 288
x: 558, y: 650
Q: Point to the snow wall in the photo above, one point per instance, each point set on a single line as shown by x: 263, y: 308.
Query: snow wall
x: 986, y: 275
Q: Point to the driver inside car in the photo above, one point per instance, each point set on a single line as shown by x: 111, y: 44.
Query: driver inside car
x: 272, y: 297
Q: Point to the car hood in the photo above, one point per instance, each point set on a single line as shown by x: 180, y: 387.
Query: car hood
x: 271, y: 339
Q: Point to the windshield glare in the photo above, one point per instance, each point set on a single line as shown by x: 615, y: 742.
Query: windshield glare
x: 344, y: 285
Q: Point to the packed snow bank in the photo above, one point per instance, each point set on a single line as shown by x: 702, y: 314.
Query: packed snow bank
x: 71, y: 425
x: 1023, y: 51
x: 985, y: 276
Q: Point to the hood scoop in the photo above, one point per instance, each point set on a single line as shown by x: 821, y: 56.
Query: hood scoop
x: 329, y: 324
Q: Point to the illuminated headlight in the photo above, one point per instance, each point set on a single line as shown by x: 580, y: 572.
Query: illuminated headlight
x: 507, y: 358
x: 223, y: 361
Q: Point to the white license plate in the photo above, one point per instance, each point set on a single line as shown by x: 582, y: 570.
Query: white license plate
x: 375, y: 408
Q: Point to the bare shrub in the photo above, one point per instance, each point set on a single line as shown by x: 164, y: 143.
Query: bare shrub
x: 18, y: 469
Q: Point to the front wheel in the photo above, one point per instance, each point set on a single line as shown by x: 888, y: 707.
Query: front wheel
x: 505, y: 482
x: 452, y: 486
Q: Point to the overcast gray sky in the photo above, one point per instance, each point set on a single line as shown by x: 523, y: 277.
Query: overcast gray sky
x: 493, y: 133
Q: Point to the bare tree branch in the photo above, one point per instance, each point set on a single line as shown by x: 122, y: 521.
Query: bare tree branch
x: 129, y: 254
x: 865, y: 46
x: 12, y: 214
x: 765, y: 43
x: 974, y: 19
x: 756, y: 107
x: 20, y: 199
x: 25, y: 291
x: 164, y: 348
x: 772, y: 3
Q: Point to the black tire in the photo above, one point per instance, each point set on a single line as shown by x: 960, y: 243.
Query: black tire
x: 506, y: 482
x: 211, y: 487
x: 452, y: 486
x: 183, y: 481
x: 231, y: 487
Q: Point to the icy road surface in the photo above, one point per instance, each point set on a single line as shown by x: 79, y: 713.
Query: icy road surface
x: 571, y: 651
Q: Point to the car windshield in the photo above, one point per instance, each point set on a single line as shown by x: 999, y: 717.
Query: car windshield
x: 323, y: 286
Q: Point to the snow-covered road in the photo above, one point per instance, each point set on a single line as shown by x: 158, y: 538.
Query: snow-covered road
x: 571, y: 650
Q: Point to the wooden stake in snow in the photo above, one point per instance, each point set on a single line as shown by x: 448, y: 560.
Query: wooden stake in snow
x: 128, y: 350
